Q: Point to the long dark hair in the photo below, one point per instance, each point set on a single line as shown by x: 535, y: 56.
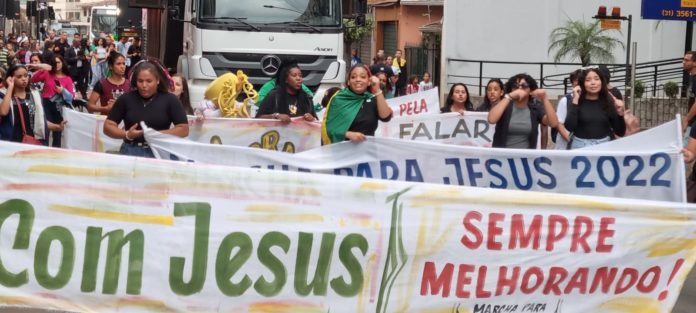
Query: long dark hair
x: 449, y: 101
x: 184, y: 97
x: 153, y: 68
x: 604, y: 97
x: 54, y: 65
x: 487, y: 103
x: 11, y: 71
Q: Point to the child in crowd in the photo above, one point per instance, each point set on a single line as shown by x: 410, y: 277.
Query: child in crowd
x: 412, y: 86
x: 426, y: 84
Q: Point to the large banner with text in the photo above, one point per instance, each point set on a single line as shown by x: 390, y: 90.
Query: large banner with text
x: 85, y: 132
x: 86, y: 232
x: 652, y: 174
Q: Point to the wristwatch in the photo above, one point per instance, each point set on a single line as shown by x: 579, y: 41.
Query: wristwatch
x: 275, y: 115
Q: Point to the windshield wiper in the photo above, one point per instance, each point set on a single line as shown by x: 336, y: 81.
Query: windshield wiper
x: 237, y: 19
x: 296, y: 23
x: 282, y: 8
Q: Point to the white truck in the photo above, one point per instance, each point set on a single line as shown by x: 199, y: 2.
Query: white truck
x: 256, y: 36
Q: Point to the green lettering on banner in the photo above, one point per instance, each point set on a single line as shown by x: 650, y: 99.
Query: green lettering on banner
x: 225, y: 267
x: 350, y: 261
x: 41, y: 255
x: 201, y: 211
x: 21, y: 242
x: 274, y: 287
x: 117, y: 241
x: 321, y: 275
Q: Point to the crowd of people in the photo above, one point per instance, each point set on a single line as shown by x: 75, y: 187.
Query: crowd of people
x: 115, y: 80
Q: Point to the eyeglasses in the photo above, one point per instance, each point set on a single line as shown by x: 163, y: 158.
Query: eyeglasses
x: 518, y: 86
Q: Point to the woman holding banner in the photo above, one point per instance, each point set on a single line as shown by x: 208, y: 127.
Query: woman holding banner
x: 354, y: 112
x: 595, y: 116
x: 148, y: 101
x: 287, y: 99
x: 518, y: 115
x: 458, y: 100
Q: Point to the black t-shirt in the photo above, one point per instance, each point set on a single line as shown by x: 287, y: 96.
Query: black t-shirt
x: 62, y: 46
x: 691, y: 94
x: 366, y: 121
x: 299, y: 104
x: 28, y: 111
x: 158, y: 112
x: 134, y: 59
x: 386, y: 69
x: 589, y: 120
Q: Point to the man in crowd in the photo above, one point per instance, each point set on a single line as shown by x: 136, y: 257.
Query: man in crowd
x: 61, y: 44
x: 399, y: 66
x: 122, y: 47
x: 22, y: 38
x: 76, y: 61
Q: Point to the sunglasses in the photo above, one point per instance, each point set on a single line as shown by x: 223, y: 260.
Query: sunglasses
x: 518, y: 86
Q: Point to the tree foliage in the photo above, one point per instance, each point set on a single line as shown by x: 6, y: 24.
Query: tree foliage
x: 586, y: 41
x: 353, y: 33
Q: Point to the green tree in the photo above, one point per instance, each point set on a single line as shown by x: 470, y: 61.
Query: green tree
x: 587, y: 41
x: 353, y: 33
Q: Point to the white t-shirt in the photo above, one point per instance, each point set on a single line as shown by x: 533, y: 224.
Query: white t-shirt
x: 423, y: 86
x: 561, y: 112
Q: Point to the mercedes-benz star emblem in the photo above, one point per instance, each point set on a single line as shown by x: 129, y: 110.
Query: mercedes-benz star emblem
x: 270, y: 64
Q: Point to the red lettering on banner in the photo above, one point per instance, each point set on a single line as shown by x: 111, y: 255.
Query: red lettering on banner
x: 503, y: 281
x: 554, y: 236
x: 463, y: 279
x: 472, y: 215
x: 526, y: 278
x: 646, y: 287
x: 554, y: 280
x: 413, y: 107
x: 578, y: 234
x: 494, y: 231
x: 604, y: 277
x: 604, y: 234
x: 580, y: 237
x: 623, y: 285
x: 517, y: 233
x: 434, y: 282
x: 481, y: 292
x: 579, y: 281
x: 556, y: 276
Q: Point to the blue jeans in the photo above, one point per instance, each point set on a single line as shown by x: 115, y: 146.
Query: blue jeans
x: 136, y: 149
x: 581, y: 143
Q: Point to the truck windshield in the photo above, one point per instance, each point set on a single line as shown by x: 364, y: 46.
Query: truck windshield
x: 318, y: 13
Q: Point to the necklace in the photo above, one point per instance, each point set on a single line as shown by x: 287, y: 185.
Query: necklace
x: 147, y: 101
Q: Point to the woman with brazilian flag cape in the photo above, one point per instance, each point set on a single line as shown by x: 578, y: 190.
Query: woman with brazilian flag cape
x: 345, y: 105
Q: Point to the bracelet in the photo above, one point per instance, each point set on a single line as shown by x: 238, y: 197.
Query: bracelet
x: 127, y: 137
x: 378, y: 93
x: 507, y: 96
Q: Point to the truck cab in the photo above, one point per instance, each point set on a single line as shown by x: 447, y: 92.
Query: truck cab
x: 257, y: 36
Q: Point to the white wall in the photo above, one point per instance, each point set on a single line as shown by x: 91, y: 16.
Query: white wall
x: 518, y: 31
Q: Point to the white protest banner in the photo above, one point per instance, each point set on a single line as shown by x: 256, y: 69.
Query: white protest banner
x: 85, y: 232
x: 470, y: 129
x: 665, y: 136
x: 85, y: 132
x: 653, y: 175
x: 424, y: 102
x: 297, y: 136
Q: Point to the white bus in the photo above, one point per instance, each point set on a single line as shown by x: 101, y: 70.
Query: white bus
x: 103, y: 20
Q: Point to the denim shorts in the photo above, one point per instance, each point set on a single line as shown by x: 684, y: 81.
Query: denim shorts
x: 136, y: 149
x: 581, y: 143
